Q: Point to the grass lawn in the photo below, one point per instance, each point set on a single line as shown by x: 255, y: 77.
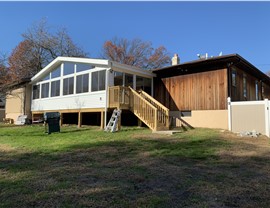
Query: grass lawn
x: 132, y: 168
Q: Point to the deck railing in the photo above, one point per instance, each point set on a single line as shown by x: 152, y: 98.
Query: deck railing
x: 119, y: 97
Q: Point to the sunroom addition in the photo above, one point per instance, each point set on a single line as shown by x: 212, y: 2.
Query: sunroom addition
x: 80, y: 85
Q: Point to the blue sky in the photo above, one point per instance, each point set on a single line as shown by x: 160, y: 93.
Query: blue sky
x: 186, y: 28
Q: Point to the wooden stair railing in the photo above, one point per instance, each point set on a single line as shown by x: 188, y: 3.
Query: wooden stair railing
x: 163, y: 112
x: 144, y: 110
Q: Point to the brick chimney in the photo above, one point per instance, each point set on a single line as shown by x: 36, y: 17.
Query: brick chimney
x: 175, y: 59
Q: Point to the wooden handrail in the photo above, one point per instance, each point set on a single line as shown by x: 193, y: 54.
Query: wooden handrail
x: 154, y: 101
x: 144, y: 110
x: 137, y: 94
x: 163, y: 112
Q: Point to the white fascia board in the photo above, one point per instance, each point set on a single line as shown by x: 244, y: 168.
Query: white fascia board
x: 60, y: 59
x: 132, y: 69
x: 85, y: 60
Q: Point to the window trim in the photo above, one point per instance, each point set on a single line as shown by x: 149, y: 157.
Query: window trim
x: 68, y: 78
x: 256, y: 90
x: 39, y: 93
x: 98, y: 80
x: 244, y: 85
x: 66, y: 62
x: 41, y: 96
x: 82, y: 83
x: 60, y: 72
x: 234, y: 77
x: 59, y: 91
x: 83, y: 71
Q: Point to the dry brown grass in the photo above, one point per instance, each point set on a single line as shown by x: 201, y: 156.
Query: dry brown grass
x: 199, y: 168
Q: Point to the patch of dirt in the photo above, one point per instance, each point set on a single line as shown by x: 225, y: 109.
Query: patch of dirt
x: 245, y: 147
x: 6, y: 148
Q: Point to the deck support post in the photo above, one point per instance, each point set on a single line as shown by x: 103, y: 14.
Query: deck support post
x: 79, y: 119
x: 102, y: 120
x: 119, y: 122
x: 61, y: 119
x: 139, y: 123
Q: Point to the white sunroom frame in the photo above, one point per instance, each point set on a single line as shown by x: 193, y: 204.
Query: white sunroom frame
x: 101, y: 99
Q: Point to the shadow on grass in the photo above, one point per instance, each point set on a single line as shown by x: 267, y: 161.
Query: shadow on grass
x: 40, y: 131
x: 139, y: 172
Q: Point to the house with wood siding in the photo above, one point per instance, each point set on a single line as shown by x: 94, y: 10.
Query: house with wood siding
x: 196, y: 92
x: 86, y: 91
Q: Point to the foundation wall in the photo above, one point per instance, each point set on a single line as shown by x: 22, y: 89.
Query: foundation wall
x: 202, y: 118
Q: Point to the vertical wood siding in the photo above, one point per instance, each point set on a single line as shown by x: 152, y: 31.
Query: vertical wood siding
x: 238, y: 90
x: 199, y: 91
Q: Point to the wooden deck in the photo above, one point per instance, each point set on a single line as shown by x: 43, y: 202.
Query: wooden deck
x: 119, y: 97
x: 145, y: 107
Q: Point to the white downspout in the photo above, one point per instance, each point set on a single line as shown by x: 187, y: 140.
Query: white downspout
x: 266, y: 114
x: 229, y: 114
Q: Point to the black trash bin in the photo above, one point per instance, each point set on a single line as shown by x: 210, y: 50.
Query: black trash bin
x: 51, y: 120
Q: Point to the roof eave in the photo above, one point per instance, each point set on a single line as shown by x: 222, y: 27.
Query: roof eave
x: 236, y: 59
x: 197, y: 62
x: 132, y: 68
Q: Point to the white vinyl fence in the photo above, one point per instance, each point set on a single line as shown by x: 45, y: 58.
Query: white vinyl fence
x: 249, y: 116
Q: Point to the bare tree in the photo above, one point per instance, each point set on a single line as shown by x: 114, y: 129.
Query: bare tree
x: 39, y: 47
x: 23, y: 62
x: 7, y: 84
x: 4, y: 77
x: 64, y: 46
x: 3, y: 59
x: 135, y: 52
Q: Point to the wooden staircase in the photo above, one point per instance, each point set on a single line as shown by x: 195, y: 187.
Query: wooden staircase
x: 145, y: 107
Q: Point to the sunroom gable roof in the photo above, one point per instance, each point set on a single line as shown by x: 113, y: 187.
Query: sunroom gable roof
x: 61, y: 59
x: 96, y: 62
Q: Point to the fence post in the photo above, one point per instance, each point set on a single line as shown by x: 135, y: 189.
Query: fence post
x: 266, y: 114
x: 229, y: 114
